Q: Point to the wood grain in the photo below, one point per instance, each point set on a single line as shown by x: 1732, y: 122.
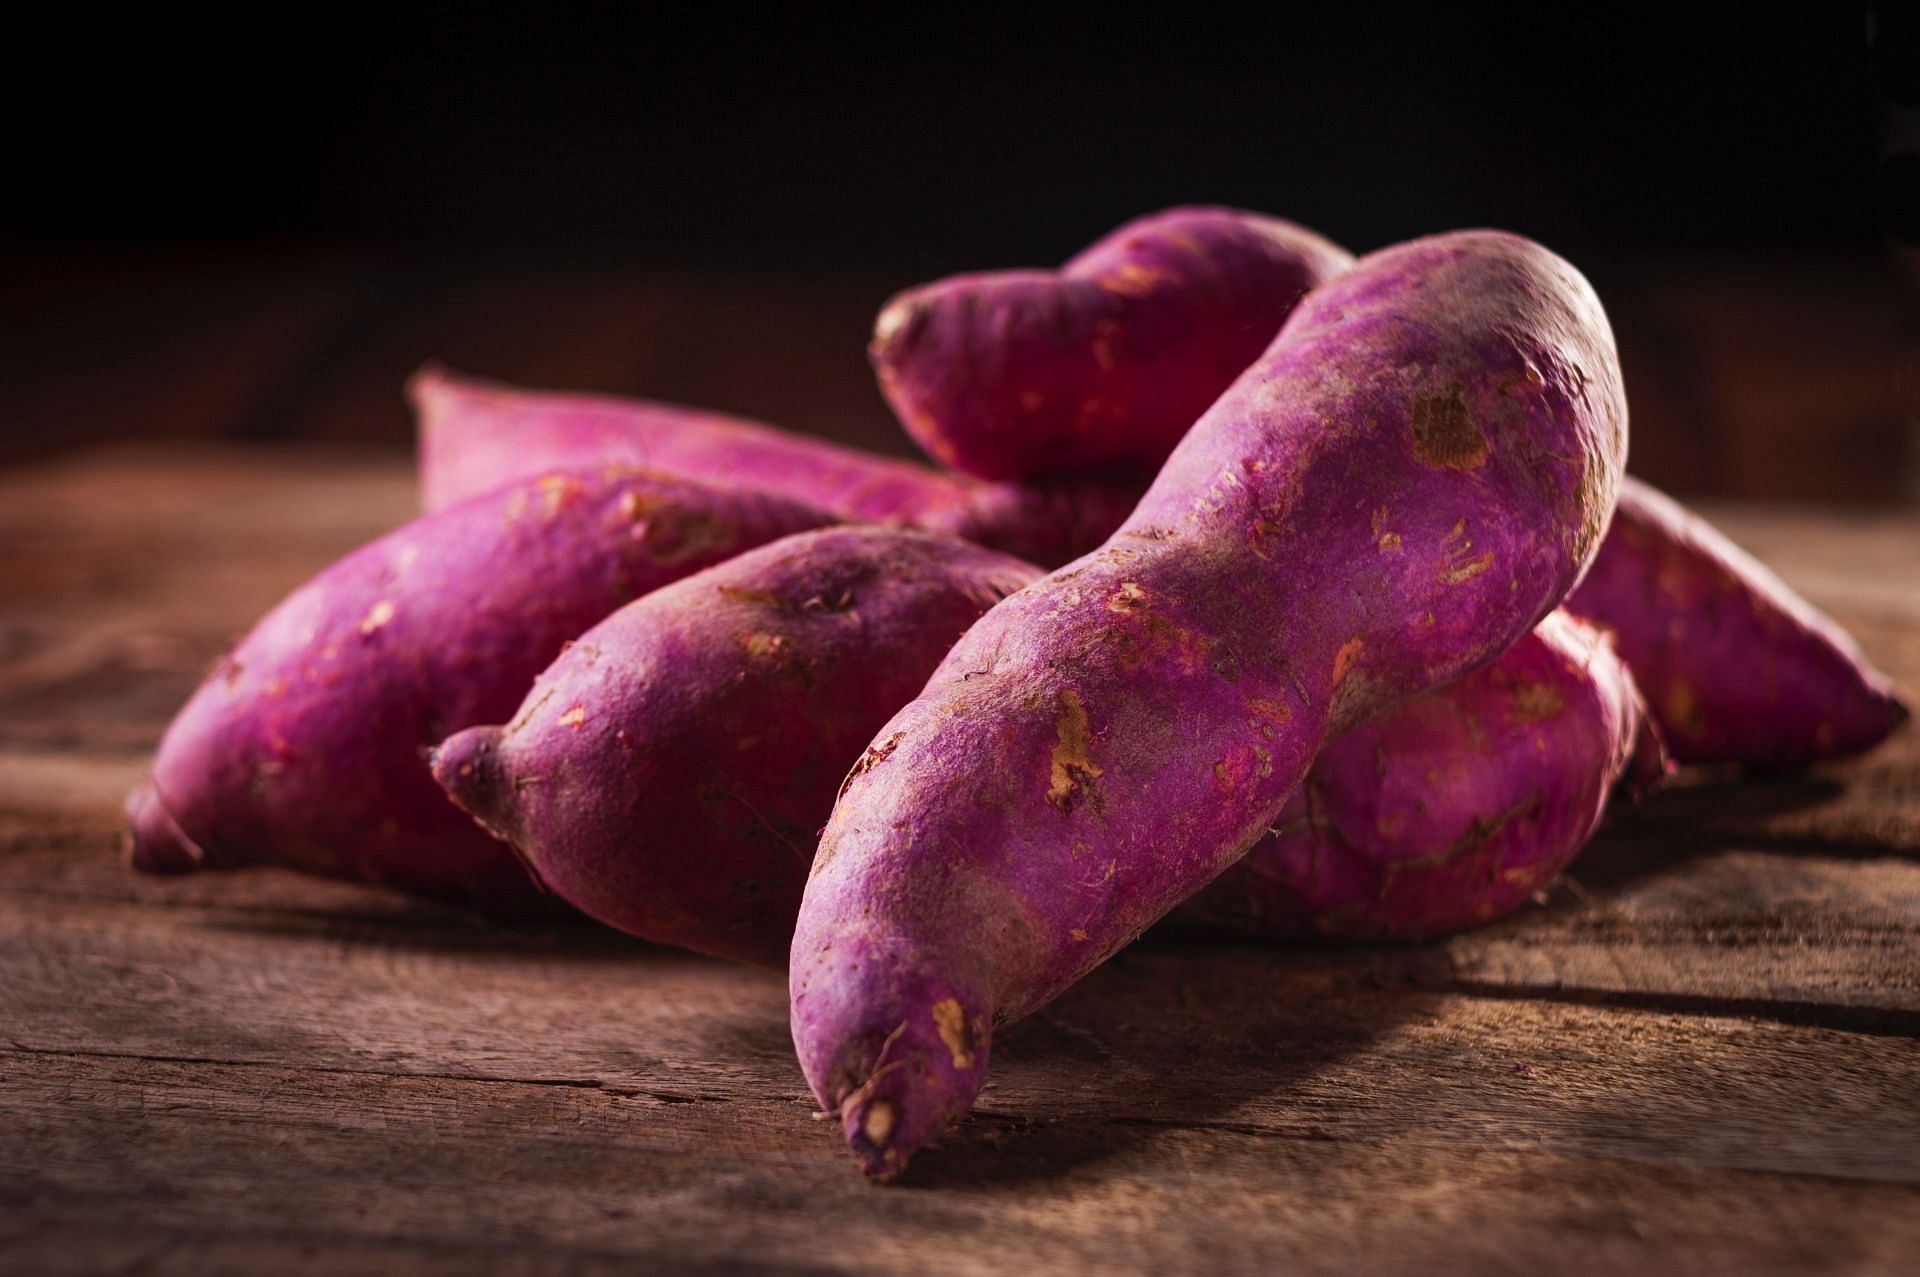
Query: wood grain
x: 1700, y: 1053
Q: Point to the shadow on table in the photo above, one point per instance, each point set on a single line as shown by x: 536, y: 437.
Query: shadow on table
x: 1175, y: 1036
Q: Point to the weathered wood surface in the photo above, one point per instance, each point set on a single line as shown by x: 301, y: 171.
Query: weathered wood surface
x: 1701, y: 1055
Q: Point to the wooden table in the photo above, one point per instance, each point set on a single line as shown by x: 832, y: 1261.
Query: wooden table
x: 1699, y: 1056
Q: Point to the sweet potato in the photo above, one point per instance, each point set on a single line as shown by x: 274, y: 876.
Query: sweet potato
x: 1412, y: 476
x: 669, y: 774
x: 475, y: 436
x: 1106, y: 361
x: 306, y: 746
x: 1735, y: 666
x: 1451, y: 810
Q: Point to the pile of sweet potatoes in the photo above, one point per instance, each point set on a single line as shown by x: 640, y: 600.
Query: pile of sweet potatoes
x: 1354, y: 623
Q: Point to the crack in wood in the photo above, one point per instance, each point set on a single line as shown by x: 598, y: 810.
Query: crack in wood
x: 1884, y: 1022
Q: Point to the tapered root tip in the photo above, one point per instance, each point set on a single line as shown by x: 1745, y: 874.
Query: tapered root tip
x: 428, y: 384
x: 467, y: 766
x: 889, y: 326
x: 925, y: 1076
x: 155, y: 842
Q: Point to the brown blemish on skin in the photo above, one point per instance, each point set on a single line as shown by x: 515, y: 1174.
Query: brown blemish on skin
x: 1077, y: 933
x: 1129, y: 597
x: 1072, y: 764
x: 1523, y: 875
x: 1468, y: 570
x: 763, y: 646
x: 1343, y: 659
x: 1383, y: 536
x: 573, y: 717
x: 377, y: 615
x: 1445, y: 433
x: 875, y: 755
x: 1267, y: 716
x: 951, y: 1020
x: 1154, y: 637
x: 1479, y: 833
x: 1533, y: 702
x: 742, y: 594
x: 1130, y: 279
x: 556, y: 490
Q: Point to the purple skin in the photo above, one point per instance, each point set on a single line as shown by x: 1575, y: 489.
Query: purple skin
x: 669, y: 774
x: 307, y: 745
x: 1106, y: 361
x: 476, y: 435
x: 1735, y: 666
x: 1413, y: 475
x: 1450, y: 811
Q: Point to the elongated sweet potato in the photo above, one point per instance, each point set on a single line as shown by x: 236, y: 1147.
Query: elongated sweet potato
x: 1106, y: 361
x: 475, y: 436
x: 307, y: 746
x: 1453, y: 809
x: 1735, y: 666
x: 669, y: 774
x: 1412, y: 476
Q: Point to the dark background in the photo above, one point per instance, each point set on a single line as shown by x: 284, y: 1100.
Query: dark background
x: 253, y: 231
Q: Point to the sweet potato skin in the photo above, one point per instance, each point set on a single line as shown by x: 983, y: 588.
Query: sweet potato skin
x: 669, y: 774
x: 1107, y: 361
x: 1413, y: 475
x: 476, y: 435
x: 1453, y: 809
x: 1736, y: 666
x: 306, y: 746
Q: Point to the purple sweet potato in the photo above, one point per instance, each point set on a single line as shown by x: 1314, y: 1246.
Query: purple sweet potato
x: 306, y: 747
x: 1735, y: 666
x: 1412, y: 476
x: 669, y: 774
x: 1453, y: 809
x: 475, y: 436
x: 1106, y: 361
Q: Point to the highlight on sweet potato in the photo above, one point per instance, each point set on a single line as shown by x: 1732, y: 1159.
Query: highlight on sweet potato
x: 1736, y: 667
x: 1406, y: 483
x: 669, y: 774
x: 477, y: 435
x: 306, y: 747
x: 1106, y: 361
x: 1450, y: 811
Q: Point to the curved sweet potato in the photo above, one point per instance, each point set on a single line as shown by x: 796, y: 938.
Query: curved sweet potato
x: 1415, y: 474
x: 306, y: 747
x: 1453, y: 809
x: 1106, y: 361
x: 669, y: 774
x: 476, y: 435
x: 1735, y: 666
